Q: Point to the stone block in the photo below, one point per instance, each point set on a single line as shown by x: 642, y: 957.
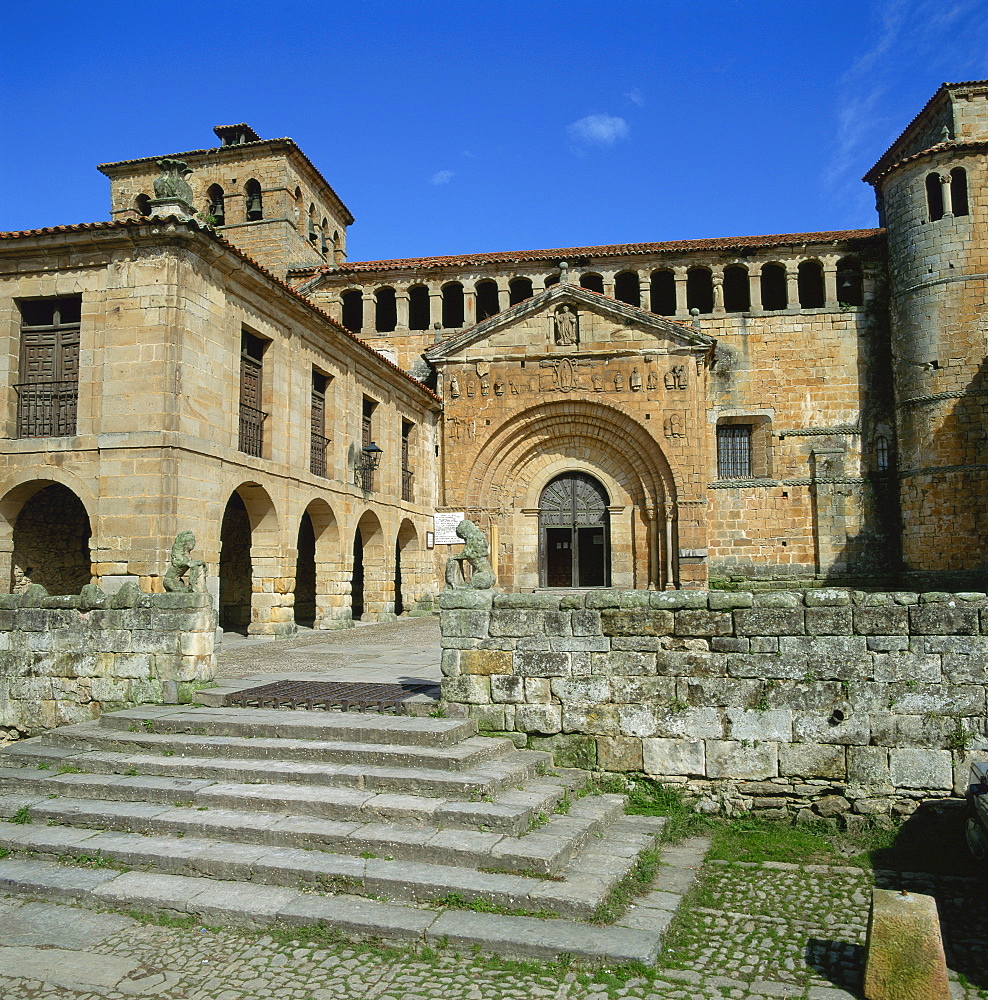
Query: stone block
x: 704, y: 623
x: 173, y: 601
x: 729, y: 644
x: 591, y: 720
x: 544, y: 602
x: 769, y: 621
x: 769, y: 666
x: 585, y: 623
x: 195, y: 643
x: 485, y: 661
x: 848, y: 650
x: 537, y: 718
x: 891, y: 619
x: 635, y: 690
x: 533, y: 663
x: 739, y: 761
x: 752, y: 724
x: 449, y: 663
x: 579, y: 643
x: 636, y: 720
x: 538, y: 690
x: 869, y: 767
x: 779, y: 599
x: 813, y: 760
x: 676, y: 599
x: 828, y: 621
x: 959, y: 669
x: 688, y: 723
x: 921, y: 668
x: 507, y: 688
x: 581, y: 690
x: 904, y: 956
x: 938, y: 699
x: 636, y: 623
x: 950, y: 618
x: 852, y: 730
x: 488, y: 717
x: 662, y: 757
x: 637, y: 643
x: 530, y: 642
x: 690, y: 664
x: 725, y: 600
x: 568, y: 750
x: 465, y: 624
x: 470, y: 689
x: 634, y: 599
x: 619, y: 753
x: 719, y: 692
x: 597, y: 599
x: 154, y: 642
x: 827, y: 597
x: 623, y: 664
x: 921, y: 769
x: 888, y: 643
x: 763, y: 644
x: 473, y: 600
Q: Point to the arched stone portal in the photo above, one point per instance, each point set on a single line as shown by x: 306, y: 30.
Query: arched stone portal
x: 235, y: 566
x: 305, y: 573
x: 574, y: 535
x: 51, y: 541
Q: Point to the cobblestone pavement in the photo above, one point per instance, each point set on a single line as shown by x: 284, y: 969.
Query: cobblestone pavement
x: 747, y: 931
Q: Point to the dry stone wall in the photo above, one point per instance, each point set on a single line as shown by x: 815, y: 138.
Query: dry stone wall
x: 822, y: 702
x: 67, y: 659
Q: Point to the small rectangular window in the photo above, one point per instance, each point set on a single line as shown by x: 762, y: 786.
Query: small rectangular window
x: 251, y: 415
x: 407, y: 475
x: 48, y: 386
x: 734, y: 451
x: 367, y: 459
x: 318, y: 440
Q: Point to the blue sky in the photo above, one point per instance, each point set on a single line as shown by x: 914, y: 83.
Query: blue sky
x: 466, y: 126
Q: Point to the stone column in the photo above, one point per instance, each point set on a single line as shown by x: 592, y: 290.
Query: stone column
x: 435, y: 307
x: 680, y: 276
x: 503, y: 294
x: 755, y: 288
x: 948, y: 201
x: 830, y: 284
x: 469, y: 306
x: 645, y: 290
x: 608, y: 284
x: 401, y: 307
x: 792, y: 286
x: 369, y: 320
x: 670, y: 575
x: 717, y: 279
x: 653, y: 549
x: 336, y: 309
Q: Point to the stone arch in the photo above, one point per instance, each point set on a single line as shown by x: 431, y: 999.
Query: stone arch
x: 371, y: 596
x: 330, y: 576
x: 419, y: 307
x: 385, y: 309
x: 592, y: 281
x: 253, y: 594
x: 46, y: 538
x: 552, y: 438
x: 407, y: 567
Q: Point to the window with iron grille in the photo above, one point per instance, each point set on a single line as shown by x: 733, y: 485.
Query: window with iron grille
x: 734, y: 451
x: 407, y: 476
x: 367, y: 475
x: 251, y: 415
x: 318, y: 440
x: 48, y: 389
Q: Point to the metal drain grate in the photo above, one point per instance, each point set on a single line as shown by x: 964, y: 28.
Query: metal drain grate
x: 330, y: 695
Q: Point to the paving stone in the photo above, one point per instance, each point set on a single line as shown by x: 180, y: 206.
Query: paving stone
x: 360, y: 917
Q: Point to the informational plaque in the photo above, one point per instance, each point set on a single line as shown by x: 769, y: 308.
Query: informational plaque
x: 445, y: 525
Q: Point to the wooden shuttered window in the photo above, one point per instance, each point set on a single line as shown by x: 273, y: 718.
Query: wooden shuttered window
x: 407, y: 475
x: 251, y: 388
x: 318, y: 440
x: 48, y: 389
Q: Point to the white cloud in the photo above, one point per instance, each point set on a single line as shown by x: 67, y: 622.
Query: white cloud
x: 636, y: 97
x: 598, y: 130
x: 441, y: 177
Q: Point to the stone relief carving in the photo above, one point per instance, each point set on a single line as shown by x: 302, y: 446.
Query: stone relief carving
x: 635, y: 382
x: 485, y: 387
x: 674, y: 427
x: 476, y: 552
x: 597, y: 380
x: 653, y: 380
x: 172, y: 182
x: 454, y: 387
x: 566, y: 321
x: 184, y: 565
x: 499, y: 386
x: 676, y: 377
x: 21, y: 580
x: 618, y: 382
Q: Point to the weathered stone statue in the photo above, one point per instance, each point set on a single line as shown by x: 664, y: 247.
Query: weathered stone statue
x: 182, y: 564
x: 21, y: 580
x: 566, y: 321
x: 172, y: 183
x: 476, y: 552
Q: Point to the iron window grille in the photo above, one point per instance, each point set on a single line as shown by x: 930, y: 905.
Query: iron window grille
x: 734, y: 451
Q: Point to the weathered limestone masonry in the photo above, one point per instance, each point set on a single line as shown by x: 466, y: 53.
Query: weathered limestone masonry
x: 67, y: 659
x: 825, y: 702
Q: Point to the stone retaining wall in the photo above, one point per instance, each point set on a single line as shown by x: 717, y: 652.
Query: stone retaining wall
x: 66, y: 659
x: 825, y: 702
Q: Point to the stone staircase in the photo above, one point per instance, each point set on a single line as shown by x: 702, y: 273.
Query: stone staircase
x: 386, y: 826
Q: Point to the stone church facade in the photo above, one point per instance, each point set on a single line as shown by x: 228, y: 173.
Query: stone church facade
x: 798, y: 408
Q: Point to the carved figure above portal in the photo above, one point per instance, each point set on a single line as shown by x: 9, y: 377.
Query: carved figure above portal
x: 676, y: 377
x: 454, y: 386
x: 618, y: 382
x: 674, y: 427
x: 653, y: 380
x: 635, y: 382
x: 475, y: 552
x: 184, y: 565
x: 567, y: 326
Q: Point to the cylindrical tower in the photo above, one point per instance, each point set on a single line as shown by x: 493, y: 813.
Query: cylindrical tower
x: 931, y: 192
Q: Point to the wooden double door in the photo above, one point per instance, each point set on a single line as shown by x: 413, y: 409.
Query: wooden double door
x: 574, y: 533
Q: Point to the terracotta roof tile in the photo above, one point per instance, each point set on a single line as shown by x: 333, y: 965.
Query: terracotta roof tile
x: 226, y: 244
x: 873, y: 176
x: 610, y: 250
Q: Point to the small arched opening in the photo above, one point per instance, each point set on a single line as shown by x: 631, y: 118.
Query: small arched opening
x: 592, y: 282
x: 51, y: 536
x: 574, y: 532
x: 809, y: 282
x: 406, y: 545
x: 217, y: 206
x: 737, y: 288
x: 775, y: 295
x: 662, y: 285
x: 452, y: 305
x: 418, y: 308
x: 519, y: 289
x: 254, y: 201
x: 487, y: 300
x: 142, y: 205
x: 353, y: 310
x: 850, y: 291
x: 934, y: 197
x: 958, y: 191
x: 699, y: 289
x: 305, y: 573
x: 627, y: 288
x: 385, y: 310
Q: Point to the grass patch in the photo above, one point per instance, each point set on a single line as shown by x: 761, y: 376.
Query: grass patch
x: 22, y: 817
x: 636, y: 883
x: 647, y: 797
x: 164, y: 919
x: 457, y: 901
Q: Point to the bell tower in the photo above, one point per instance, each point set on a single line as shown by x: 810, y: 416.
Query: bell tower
x: 930, y: 188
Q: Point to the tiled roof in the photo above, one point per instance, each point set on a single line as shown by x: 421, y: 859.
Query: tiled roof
x: 874, y: 176
x: 881, y: 166
x: 226, y: 244
x: 105, y: 167
x: 611, y: 250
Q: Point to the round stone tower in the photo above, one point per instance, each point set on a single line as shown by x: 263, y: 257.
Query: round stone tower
x: 931, y: 189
